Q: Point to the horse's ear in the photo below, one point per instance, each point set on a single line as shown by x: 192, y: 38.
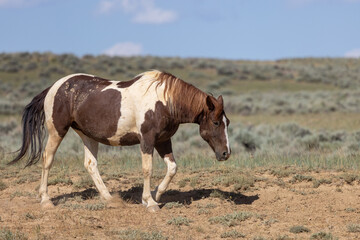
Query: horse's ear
x: 221, y: 100
x: 209, y: 103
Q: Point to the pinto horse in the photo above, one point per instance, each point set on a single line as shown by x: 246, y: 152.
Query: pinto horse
x: 146, y: 110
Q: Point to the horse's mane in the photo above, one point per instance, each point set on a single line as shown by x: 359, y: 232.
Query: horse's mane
x: 179, y: 95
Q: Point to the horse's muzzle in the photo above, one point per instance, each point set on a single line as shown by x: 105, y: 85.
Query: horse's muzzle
x: 222, y: 156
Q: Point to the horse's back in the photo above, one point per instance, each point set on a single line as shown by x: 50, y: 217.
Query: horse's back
x: 104, y: 110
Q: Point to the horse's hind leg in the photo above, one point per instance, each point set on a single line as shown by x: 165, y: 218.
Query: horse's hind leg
x: 52, y: 144
x: 90, y: 163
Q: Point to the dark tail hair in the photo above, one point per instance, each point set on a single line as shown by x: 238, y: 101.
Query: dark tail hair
x: 33, y: 130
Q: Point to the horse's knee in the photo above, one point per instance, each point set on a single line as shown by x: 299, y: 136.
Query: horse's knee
x: 172, y: 168
x: 146, y: 172
x: 90, y: 165
x: 171, y: 164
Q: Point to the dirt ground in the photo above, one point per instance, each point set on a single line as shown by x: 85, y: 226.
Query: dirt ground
x: 273, y: 205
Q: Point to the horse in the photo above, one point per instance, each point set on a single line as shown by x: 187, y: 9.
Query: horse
x: 145, y: 110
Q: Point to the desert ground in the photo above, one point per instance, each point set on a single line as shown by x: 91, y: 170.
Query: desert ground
x: 279, y: 203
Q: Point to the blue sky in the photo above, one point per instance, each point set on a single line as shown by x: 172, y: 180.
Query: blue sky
x: 228, y: 29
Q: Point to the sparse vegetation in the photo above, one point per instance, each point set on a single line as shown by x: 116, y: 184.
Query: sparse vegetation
x: 299, y: 229
x: 171, y: 205
x: 7, y: 234
x: 353, y: 228
x: 232, y: 234
x: 179, y: 221
x: 231, y: 219
x: 2, y: 185
x: 133, y: 234
x: 323, y: 236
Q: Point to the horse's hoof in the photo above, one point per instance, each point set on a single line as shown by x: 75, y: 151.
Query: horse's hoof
x: 47, y: 204
x: 153, y: 208
x: 115, y: 202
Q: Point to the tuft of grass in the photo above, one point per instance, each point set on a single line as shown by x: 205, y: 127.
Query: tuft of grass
x: 182, y: 183
x: 232, y: 234
x: 353, y: 228
x: 171, y: 205
x: 194, y: 181
x: 231, y: 219
x: 301, y: 178
x: 7, y: 234
x: 299, y: 229
x: 84, y: 182
x: 209, y: 205
x: 29, y: 216
x: 21, y: 194
x: 61, y: 179
x: 95, y: 206
x: 317, y: 183
x: 349, y: 177
x: 133, y: 234
x: 282, y: 172
x: 179, y: 221
x: 3, y: 186
x: 323, y: 236
x: 350, y: 210
x: 285, y: 237
x: 217, y: 194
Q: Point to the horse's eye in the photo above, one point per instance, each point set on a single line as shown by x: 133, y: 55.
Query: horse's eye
x: 216, y: 123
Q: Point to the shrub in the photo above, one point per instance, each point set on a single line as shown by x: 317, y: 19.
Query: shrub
x: 231, y: 219
x: 299, y: 229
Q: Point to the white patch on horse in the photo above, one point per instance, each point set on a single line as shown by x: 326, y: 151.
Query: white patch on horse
x: 226, y: 134
x: 113, y: 85
x: 133, y: 112
x: 50, y: 97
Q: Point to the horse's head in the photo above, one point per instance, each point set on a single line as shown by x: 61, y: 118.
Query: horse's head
x: 214, y: 126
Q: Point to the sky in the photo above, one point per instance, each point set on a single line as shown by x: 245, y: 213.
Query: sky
x: 225, y: 29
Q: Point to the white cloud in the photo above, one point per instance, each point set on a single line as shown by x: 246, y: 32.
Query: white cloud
x: 141, y: 11
x: 124, y: 49
x: 355, y: 53
x: 18, y: 3
x: 105, y: 6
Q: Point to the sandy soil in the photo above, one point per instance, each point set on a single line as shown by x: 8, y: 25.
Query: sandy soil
x: 275, y: 204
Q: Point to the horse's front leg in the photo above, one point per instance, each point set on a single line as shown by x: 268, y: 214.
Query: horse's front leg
x: 165, y: 151
x: 147, y: 156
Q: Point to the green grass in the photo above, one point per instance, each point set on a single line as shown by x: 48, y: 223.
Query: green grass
x: 171, y: 205
x: 134, y: 234
x: 232, y: 234
x: 329, y: 121
x: 322, y: 236
x: 353, y: 228
x: 3, y: 186
x: 179, y: 221
x: 232, y: 219
x: 7, y: 234
x: 299, y: 229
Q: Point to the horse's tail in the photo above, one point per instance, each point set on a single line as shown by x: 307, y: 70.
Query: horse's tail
x: 33, y: 130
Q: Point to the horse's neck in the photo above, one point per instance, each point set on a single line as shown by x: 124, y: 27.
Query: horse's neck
x: 188, y: 110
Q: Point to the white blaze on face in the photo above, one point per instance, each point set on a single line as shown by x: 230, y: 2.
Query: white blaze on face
x: 226, y: 134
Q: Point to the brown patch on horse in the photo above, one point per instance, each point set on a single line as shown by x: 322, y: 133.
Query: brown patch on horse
x: 127, y: 84
x: 130, y: 139
x: 81, y: 104
x: 165, y: 150
x: 158, y: 125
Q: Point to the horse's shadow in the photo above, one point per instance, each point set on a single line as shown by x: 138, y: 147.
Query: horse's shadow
x: 133, y: 196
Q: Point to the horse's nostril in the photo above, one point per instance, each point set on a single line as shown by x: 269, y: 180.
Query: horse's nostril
x: 225, y: 154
